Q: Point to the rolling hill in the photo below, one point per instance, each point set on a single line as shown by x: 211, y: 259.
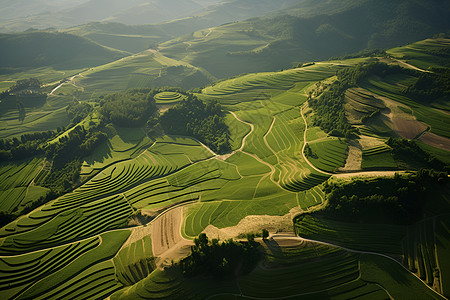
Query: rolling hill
x: 38, y: 49
x: 141, y: 197
x: 130, y: 12
x: 264, y: 44
x: 140, y: 37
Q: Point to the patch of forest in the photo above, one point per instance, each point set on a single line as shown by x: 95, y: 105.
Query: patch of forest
x: 204, y: 121
x: 329, y: 106
x: 226, y: 259
x: 402, y: 199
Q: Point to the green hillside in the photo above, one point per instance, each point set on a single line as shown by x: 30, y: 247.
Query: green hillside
x: 146, y: 175
x: 80, y: 12
x: 136, y: 38
x: 47, y: 49
x: 265, y: 44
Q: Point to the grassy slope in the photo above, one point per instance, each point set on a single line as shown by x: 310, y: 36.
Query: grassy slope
x: 271, y: 43
x: 268, y: 177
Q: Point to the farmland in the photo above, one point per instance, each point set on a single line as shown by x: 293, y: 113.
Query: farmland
x: 143, y: 196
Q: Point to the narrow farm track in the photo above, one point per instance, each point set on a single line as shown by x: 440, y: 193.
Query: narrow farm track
x: 409, y: 65
x: 244, y: 140
x: 70, y: 80
x: 305, y: 142
x: 342, y: 175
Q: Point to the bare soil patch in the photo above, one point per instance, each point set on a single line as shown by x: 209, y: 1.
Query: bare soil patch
x: 408, y: 129
x: 166, y: 231
x: 436, y: 141
x: 167, y: 243
x: 354, y: 158
x: 253, y: 224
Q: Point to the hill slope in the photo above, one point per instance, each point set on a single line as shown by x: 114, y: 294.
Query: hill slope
x: 136, y: 38
x: 39, y: 49
x: 130, y: 12
x: 270, y: 43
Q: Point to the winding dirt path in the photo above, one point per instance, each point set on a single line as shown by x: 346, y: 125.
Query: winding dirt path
x: 244, y: 140
x: 409, y: 65
x: 305, y: 143
x: 69, y: 80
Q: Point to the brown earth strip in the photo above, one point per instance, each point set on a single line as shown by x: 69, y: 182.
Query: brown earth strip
x: 436, y: 141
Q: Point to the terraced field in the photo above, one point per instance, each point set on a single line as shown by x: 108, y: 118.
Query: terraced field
x: 168, y: 97
x: 378, y: 157
x: 16, y: 185
x: 328, y: 155
x: 71, y: 270
x: 146, y: 69
x: 378, y: 238
x: 98, y: 240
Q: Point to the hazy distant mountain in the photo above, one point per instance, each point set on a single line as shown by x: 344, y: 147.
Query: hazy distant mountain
x: 84, y: 11
x: 60, y: 50
x: 308, y: 31
x: 136, y: 38
x: 13, y: 9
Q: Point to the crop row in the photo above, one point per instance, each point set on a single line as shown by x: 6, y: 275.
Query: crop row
x: 19, y: 175
x: 98, y: 281
x: 419, y: 249
x: 158, y: 285
x: 184, y: 185
x: 328, y: 272
x: 134, y: 262
x: 280, y: 81
x: 89, y: 273
x: 328, y: 155
x: 380, y: 238
x: 66, y: 225
x: 168, y: 97
x: 22, y: 271
x: 378, y: 157
x: 311, y: 197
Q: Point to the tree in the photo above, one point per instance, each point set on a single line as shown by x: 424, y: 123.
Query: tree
x: 265, y: 234
x: 22, y: 112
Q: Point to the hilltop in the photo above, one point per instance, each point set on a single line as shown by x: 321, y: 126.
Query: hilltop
x: 130, y: 12
x: 44, y: 49
x: 270, y: 43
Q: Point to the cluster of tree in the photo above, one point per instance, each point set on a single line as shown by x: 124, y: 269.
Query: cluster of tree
x: 329, y: 106
x: 431, y: 87
x: 309, y: 153
x: 6, y: 218
x: 204, y: 121
x: 66, y: 156
x: 129, y: 109
x: 24, y: 93
x: 27, y: 145
x: 78, y: 143
x: 350, y: 77
x: 330, y: 111
x: 411, y: 156
x: 401, y: 199
x: 362, y: 53
x: 77, y: 111
x: 220, y: 259
x: 26, y: 86
x: 62, y: 179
